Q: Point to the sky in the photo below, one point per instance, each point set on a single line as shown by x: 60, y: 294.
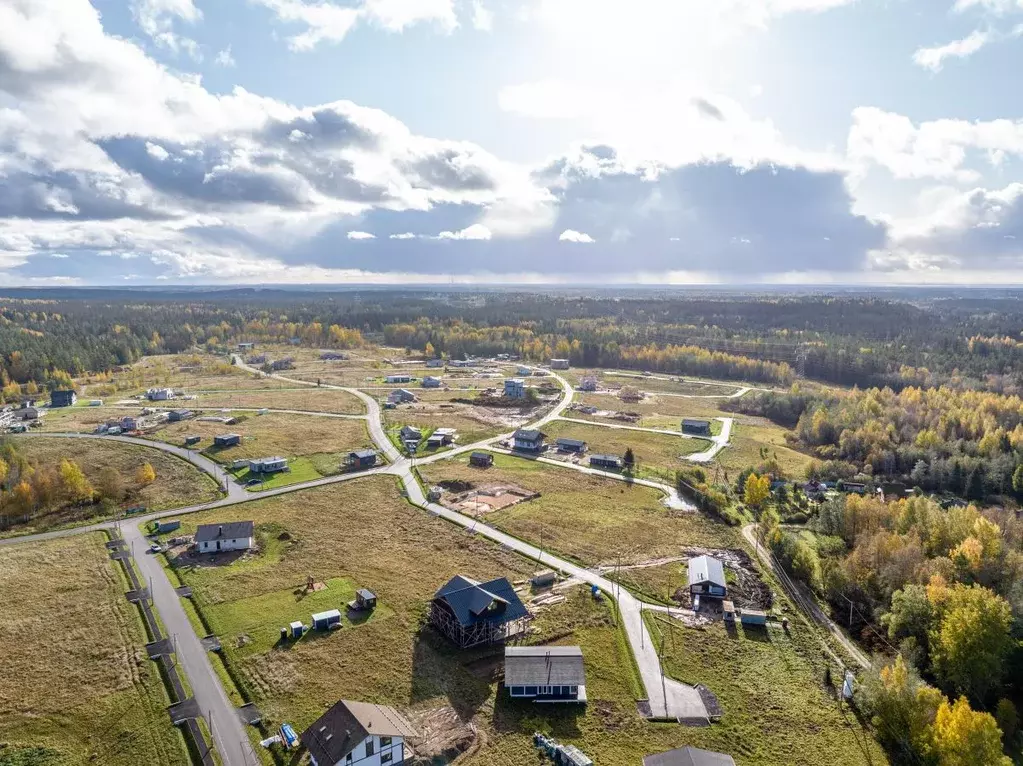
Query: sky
x: 152, y: 142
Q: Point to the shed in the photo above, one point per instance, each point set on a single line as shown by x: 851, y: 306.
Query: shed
x: 326, y: 620
x: 434, y: 363
x: 227, y: 440
x: 297, y: 629
x: 571, y: 445
x: 167, y: 526
x: 697, y: 427
x: 481, y: 459
x: 545, y: 578
x: 365, y: 599
x: 268, y: 465
x: 707, y: 577
x: 688, y: 756
x: 752, y: 617
x: 430, y: 382
x: 175, y: 416
x: 190, y: 440
x: 610, y: 462
x: 545, y: 673
x: 365, y: 458
x: 559, y: 364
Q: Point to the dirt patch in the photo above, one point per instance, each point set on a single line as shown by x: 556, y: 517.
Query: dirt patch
x: 612, y: 717
x: 622, y: 417
x: 745, y: 588
x: 487, y: 498
x: 444, y: 736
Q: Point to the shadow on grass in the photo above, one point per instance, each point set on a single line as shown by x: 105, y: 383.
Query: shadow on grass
x: 756, y: 633
x: 440, y: 669
x: 561, y: 720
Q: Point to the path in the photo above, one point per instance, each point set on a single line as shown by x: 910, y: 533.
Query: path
x: 805, y: 602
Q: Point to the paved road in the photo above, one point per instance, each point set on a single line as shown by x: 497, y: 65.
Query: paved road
x: 718, y: 442
x: 805, y: 602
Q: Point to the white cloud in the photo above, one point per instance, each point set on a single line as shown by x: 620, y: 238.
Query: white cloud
x: 997, y: 7
x: 328, y: 22
x: 225, y: 58
x: 571, y: 235
x: 934, y: 149
x: 934, y: 58
x: 475, y: 232
x: 156, y: 19
x: 360, y: 235
x: 405, y: 235
x: 482, y: 17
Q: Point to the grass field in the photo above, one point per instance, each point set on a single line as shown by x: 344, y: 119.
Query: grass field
x: 657, y: 455
x: 309, y: 399
x: 178, y: 483
x: 588, y: 518
x: 76, y: 686
x: 776, y: 709
x: 360, y: 534
x: 273, y: 434
x: 470, y: 429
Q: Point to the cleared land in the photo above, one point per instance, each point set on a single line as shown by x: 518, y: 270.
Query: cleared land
x: 359, y: 534
x: 178, y: 483
x: 76, y: 686
x: 658, y: 455
x: 770, y: 685
x: 309, y: 399
x: 587, y: 518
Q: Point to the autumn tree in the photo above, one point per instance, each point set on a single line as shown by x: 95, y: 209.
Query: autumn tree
x: 966, y: 737
x: 971, y: 640
x: 756, y: 490
x: 4, y: 470
x: 910, y: 615
x: 77, y: 488
x: 1007, y: 719
x: 145, y: 475
x: 903, y: 709
x: 111, y: 484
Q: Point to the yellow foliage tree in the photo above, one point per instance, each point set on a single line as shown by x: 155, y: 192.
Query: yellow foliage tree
x: 966, y: 737
x: 145, y: 475
x: 756, y: 490
x: 77, y: 488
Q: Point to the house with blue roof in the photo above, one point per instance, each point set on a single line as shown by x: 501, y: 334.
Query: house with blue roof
x: 471, y: 613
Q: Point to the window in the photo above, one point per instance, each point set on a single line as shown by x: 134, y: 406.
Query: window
x: 369, y: 746
x: 530, y: 691
x: 385, y: 758
x: 349, y: 758
x: 385, y: 742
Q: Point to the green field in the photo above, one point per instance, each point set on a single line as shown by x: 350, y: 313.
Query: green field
x: 76, y: 687
x: 307, y: 398
x: 590, y: 519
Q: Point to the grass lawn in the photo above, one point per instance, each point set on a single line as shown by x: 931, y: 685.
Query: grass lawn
x: 770, y: 685
x: 657, y: 455
x: 77, y: 688
x: 178, y: 483
x: 470, y: 429
x: 359, y: 534
x: 300, y: 469
x: 273, y: 434
x: 305, y: 398
x: 587, y: 518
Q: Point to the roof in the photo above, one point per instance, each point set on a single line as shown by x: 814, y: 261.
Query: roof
x: 482, y: 456
x: 529, y: 434
x: 229, y: 530
x: 364, y: 453
x: 543, y: 666
x: 706, y: 569
x: 571, y: 443
x: 605, y: 459
x: 366, y: 594
x: 688, y: 756
x: 445, y: 431
x: 471, y: 601
x: 337, y: 732
x: 695, y: 422
x: 329, y: 614
x: 228, y: 436
x: 277, y: 459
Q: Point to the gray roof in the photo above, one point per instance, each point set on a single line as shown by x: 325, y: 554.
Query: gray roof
x: 695, y: 422
x: 529, y: 434
x: 571, y: 442
x: 339, y: 731
x: 605, y: 459
x: 229, y: 530
x: 543, y: 666
x: 363, y: 453
x: 688, y: 756
x: 706, y: 569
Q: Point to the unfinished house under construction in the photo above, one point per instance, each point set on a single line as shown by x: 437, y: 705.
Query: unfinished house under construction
x: 473, y: 614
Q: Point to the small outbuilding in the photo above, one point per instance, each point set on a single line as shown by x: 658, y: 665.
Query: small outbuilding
x: 707, y: 577
x: 696, y: 427
x: 481, y: 459
x: 433, y: 363
x: 399, y: 378
x: 190, y: 440
x: 365, y: 458
x: 571, y: 445
x: 326, y: 620
x: 365, y: 600
x: 227, y: 440
x: 559, y: 364
x: 688, y: 756
x: 268, y: 465
x: 167, y: 526
x: 411, y: 434
x: 430, y: 382
x: 545, y: 673
x: 607, y: 462
x: 176, y: 416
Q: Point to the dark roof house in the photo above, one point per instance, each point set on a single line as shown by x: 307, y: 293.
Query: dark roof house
x: 688, y: 756
x: 472, y: 613
x: 571, y: 445
x: 228, y: 530
x: 338, y: 732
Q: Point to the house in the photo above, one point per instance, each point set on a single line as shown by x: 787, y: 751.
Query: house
x: 515, y: 388
x: 481, y: 459
x: 230, y: 536
x: 6, y: 417
x: 441, y: 437
x: 129, y: 423
x: 268, y: 465
x: 588, y: 383
x: 282, y: 364
x: 472, y: 613
x: 27, y: 413
x: 607, y: 462
x: 401, y: 396
x: 571, y: 445
x: 459, y: 363
x: 326, y: 620
x: 432, y: 363
x: 688, y: 756
x: 399, y: 378
x: 63, y: 398
x: 545, y: 673
x: 559, y: 364
x: 411, y: 434
x: 176, y: 416
x: 366, y: 458
x: 246, y: 346
x: 528, y: 440
x: 227, y: 440
x: 814, y: 490
x: 358, y: 733
x: 522, y: 370
x: 696, y: 427
x: 159, y: 394
x: 858, y: 487
x: 333, y: 356
x: 430, y: 382
x: 707, y: 577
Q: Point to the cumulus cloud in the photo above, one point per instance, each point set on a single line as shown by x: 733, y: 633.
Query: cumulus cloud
x: 934, y: 58
x: 403, y: 235
x: 357, y: 235
x: 156, y: 19
x: 571, y: 235
x: 225, y: 58
x: 482, y: 17
x: 475, y: 232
